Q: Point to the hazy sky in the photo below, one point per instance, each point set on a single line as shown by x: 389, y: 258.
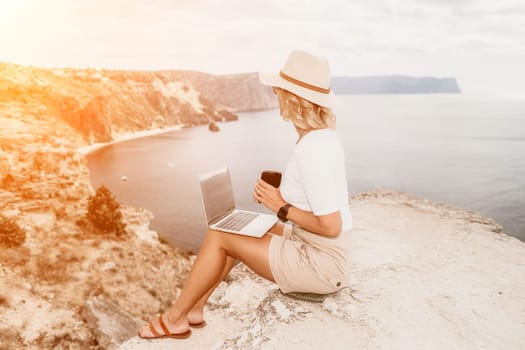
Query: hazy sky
x: 480, y: 42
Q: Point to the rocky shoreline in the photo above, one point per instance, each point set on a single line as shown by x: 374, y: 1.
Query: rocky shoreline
x: 423, y: 268
x: 50, y: 118
x: 85, y: 150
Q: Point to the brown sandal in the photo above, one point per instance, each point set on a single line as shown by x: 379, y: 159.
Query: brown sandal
x: 166, y: 331
x: 198, y: 325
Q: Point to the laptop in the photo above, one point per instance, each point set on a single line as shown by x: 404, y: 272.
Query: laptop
x: 219, y: 206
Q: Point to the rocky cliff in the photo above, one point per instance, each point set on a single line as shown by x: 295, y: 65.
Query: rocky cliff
x: 235, y: 92
x: 44, y: 185
x: 423, y: 275
x: 45, y: 116
x: 102, y: 105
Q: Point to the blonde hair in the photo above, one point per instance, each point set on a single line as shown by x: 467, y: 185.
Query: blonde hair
x: 304, y: 114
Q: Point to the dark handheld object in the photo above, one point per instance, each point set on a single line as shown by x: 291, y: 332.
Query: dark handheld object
x: 272, y: 177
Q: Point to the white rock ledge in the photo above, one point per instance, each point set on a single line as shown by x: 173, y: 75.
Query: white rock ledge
x: 424, y: 275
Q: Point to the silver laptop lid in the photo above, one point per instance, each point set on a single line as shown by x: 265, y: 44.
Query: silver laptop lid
x: 217, y: 193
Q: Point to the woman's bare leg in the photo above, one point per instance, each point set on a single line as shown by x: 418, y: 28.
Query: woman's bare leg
x: 196, y: 314
x: 208, y: 269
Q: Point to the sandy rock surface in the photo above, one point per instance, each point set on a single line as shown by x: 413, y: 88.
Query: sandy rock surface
x: 424, y: 275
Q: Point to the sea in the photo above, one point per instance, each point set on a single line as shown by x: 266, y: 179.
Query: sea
x: 467, y: 151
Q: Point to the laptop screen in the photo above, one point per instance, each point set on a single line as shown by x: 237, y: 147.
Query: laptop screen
x: 217, y: 194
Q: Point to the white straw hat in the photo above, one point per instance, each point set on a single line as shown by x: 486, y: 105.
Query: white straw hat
x: 304, y: 75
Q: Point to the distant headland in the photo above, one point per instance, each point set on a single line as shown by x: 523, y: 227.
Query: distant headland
x: 394, y: 84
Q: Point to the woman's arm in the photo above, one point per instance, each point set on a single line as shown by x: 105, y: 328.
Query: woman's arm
x: 328, y: 225
x: 325, y: 225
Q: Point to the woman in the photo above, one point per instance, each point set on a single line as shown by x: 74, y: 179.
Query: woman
x: 311, y: 254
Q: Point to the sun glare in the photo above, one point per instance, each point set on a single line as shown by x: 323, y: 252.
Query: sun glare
x: 9, y: 10
x: 13, y: 20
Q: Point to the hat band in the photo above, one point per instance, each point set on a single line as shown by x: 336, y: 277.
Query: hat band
x: 303, y: 84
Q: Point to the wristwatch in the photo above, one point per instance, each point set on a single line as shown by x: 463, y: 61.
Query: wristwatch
x: 283, y: 212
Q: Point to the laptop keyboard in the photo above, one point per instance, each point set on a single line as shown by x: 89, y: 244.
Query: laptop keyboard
x: 236, y: 221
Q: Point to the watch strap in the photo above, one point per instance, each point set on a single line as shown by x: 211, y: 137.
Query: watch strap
x: 282, y: 214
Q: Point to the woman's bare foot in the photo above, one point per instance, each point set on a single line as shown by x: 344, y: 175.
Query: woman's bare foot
x: 174, y: 328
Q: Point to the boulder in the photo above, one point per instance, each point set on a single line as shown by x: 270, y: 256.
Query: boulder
x: 110, y: 324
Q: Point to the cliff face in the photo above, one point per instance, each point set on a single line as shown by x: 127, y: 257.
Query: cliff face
x: 44, y: 185
x: 101, y: 105
x: 235, y: 92
x: 40, y: 170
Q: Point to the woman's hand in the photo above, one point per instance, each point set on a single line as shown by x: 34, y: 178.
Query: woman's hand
x: 328, y: 225
x: 268, y: 195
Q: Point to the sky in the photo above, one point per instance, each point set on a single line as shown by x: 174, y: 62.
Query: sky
x: 479, y: 42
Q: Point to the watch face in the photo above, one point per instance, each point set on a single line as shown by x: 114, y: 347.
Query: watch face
x: 280, y: 215
x: 283, y: 212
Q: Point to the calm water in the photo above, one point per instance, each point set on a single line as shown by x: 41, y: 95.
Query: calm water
x: 449, y: 148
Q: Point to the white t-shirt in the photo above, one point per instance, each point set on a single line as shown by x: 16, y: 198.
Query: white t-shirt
x: 315, y: 177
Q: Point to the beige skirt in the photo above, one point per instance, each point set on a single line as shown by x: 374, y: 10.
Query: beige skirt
x: 302, y: 261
